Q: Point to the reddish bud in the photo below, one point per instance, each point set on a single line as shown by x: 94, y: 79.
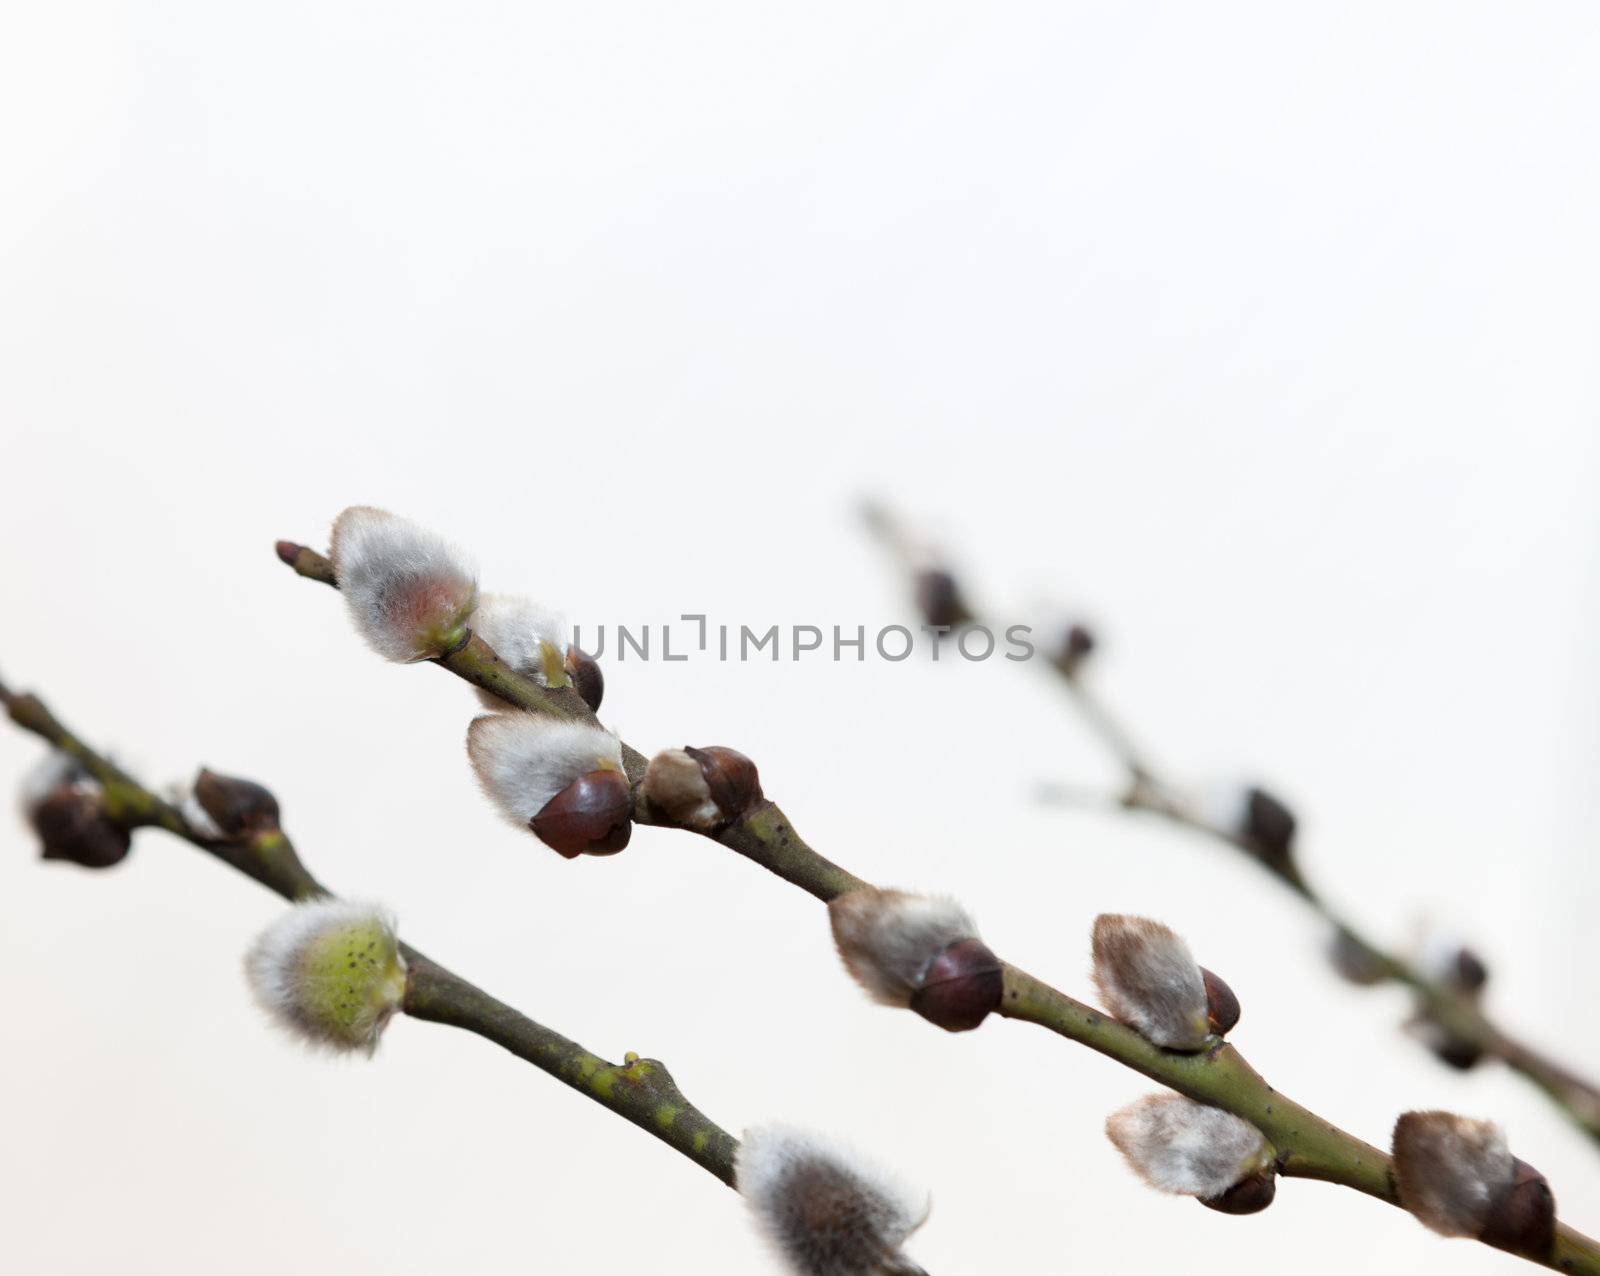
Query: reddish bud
x: 732, y: 778
x: 1457, y: 1053
x: 239, y: 808
x: 288, y: 551
x: 961, y: 987
x: 585, y: 673
x: 73, y: 825
x: 1523, y: 1221
x: 591, y: 816
x: 1269, y: 828
x: 1076, y: 646
x: 1222, y: 1007
x: 939, y: 600
x: 1248, y: 1196
x: 1468, y: 972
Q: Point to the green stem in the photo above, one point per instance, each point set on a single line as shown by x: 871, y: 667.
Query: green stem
x: 639, y: 1090
x: 1310, y: 1147
x: 1459, y: 1015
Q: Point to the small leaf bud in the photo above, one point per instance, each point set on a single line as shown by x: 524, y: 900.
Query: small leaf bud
x: 238, y: 808
x: 702, y: 789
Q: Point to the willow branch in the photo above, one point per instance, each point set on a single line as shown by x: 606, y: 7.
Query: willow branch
x: 1460, y: 1016
x: 640, y: 1091
x: 1146, y: 790
x: 1306, y: 1145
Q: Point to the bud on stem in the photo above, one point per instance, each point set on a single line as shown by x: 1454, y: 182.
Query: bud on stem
x: 701, y: 789
x: 1460, y: 1179
x: 563, y: 780
x: 917, y: 952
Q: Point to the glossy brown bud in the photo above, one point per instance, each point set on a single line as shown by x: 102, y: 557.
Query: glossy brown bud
x: 585, y: 673
x: 961, y: 987
x: 1076, y: 646
x: 1457, y: 1052
x: 1468, y: 972
x: 591, y: 816
x: 1269, y: 828
x: 1523, y: 1221
x: 240, y: 808
x: 1222, y: 1007
x: 1247, y: 1196
x: 939, y: 599
x: 73, y: 825
x: 732, y: 778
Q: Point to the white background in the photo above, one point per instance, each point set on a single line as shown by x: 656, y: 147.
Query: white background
x: 1266, y: 333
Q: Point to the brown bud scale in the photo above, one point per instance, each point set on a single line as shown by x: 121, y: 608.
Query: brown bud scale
x: 939, y: 600
x: 1269, y: 828
x: 238, y: 807
x: 72, y: 825
x: 732, y: 778
x: 961, y: 987
x: 584, y: 670
x: 1523, y: 1221
x: 1247, y: 1196
x: 591, y: 816
x: 1222, y: 1007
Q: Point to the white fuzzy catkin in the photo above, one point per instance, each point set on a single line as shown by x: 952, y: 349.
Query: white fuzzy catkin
x: 888, y: 939
x: 408, y: 589
x: 1148, y: 979
x: 1451, y: 1171
x: 520, y: 630
x: 524, y: 759
x: 329, y: 971
x: 825, y: 1210
x: 676, y: 787
x: 1177, y: 1145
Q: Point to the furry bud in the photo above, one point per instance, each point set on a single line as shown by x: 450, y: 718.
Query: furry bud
x: 702, y: 789
x: 824, y: 1210
x: 918, y: 952
x: 1459, y: 1178
x: 939, y: 599
x: 409, y: 591
x: 330, y: 972
x: 530, y: 639
x: 563, y: 780
x: 1222, y: 1007
x: 1191, y: 1149
x: 585, y: 673
x: 1149, y: 980
x: 65, y: 807
x: 237, y: 808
